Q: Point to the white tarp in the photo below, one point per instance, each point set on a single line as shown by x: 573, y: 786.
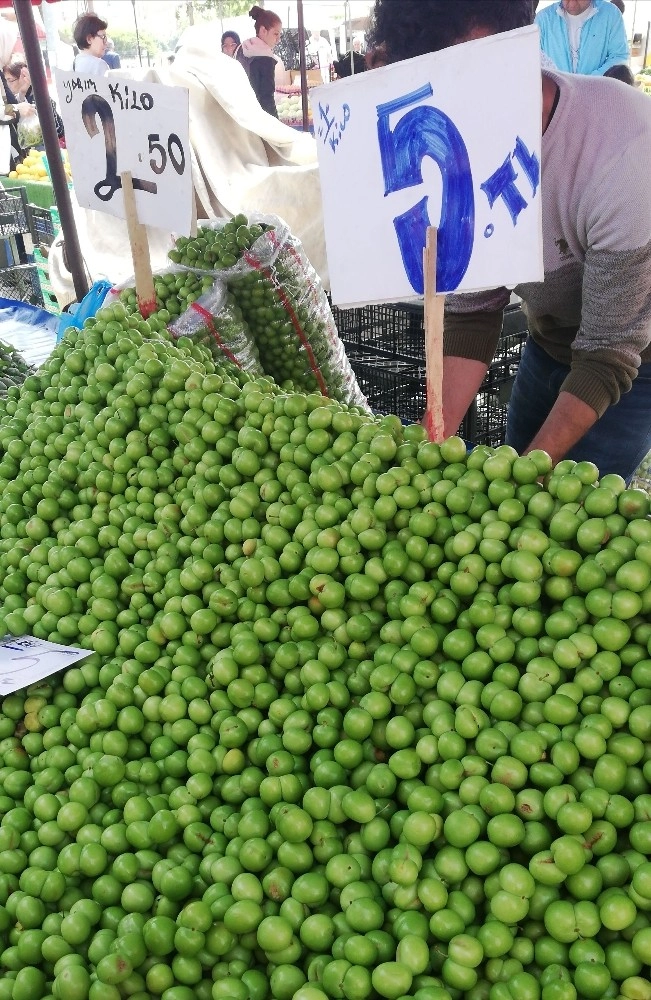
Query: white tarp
x: 243, y: 161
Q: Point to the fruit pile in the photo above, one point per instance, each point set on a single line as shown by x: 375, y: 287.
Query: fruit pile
x: 216, y: 320
x: 33, y: 167
x: 217, y: 249
x: 363, y: 716
x: 13, y: 367
x: 282, y: 302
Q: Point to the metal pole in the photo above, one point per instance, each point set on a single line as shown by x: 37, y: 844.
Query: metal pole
x: 303, y: 64
x: 27, y: 27
x: 135, y: 21
x: 646, y: 44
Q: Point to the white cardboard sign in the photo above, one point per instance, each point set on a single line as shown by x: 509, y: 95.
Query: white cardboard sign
x: 25, y: 660
x: 451, y: 139
x: 113, y: 125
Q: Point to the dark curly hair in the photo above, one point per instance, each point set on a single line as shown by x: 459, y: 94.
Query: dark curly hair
x: 408, y: 28
x: 87, y: 26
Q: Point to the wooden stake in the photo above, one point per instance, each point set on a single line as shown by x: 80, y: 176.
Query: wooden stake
x: 139, y: 250
x: 434, y: 305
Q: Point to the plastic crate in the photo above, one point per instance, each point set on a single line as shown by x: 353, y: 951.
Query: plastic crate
x: 398, y: 326
x: 14, y: 216
x: 390, y: 383
x: 395, y: 383
x: 21, y: 283
x: 49, y: 298
x: 41, y: 225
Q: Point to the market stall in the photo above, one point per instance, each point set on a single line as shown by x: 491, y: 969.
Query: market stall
x: 297, y: 702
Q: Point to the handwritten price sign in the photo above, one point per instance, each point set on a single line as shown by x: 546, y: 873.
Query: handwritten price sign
x: 115, y: 125
x: 25, y: 660
x: 451, y: 140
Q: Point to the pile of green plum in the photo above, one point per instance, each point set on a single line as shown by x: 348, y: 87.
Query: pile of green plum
x: 362, y: 716
x: 175, y: 292
x: 13, y: 367
x: 217, y: 249
x: 216, y: 321
x: 282, y: 302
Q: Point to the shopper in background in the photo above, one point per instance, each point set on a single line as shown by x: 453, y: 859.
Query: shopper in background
x: 258, y: 58
x: 583, y: 36
x: 9, y: 114
x: 583, y: 387
x: 111, y: 57
x: 230, y: 42
x: 319, y: 54
x: 20, y: 84
x: 352, y: 62
x: 621, y: 6
x: 90, y: 36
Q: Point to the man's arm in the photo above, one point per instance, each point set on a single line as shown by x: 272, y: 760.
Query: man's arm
x: 569, y: 419
x: 462, y: 378
x: 471, y: 333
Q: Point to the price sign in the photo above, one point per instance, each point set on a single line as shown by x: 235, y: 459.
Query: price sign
x: 115, y: 125
x: 25, y: 660
x: 452, y: 140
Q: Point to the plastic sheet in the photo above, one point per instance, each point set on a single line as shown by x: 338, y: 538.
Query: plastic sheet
x: 286, y: 308
x: 215, y: 319
x: 30, y: 330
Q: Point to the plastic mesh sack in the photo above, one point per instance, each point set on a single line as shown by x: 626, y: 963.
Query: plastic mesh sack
x: 282, y: 301
x: 642, y: 476
x: 215, y: 319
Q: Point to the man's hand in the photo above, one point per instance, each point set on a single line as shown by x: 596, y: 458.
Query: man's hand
x: 569, y: 419
x: 25, y: 110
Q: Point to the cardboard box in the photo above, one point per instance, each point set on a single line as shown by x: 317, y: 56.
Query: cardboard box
x: 313, y: 77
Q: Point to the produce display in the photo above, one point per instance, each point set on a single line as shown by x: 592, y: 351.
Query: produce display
x: 363, y: 716
x: 282, y: 301
x: 289, y: 104
x: 33, y: 167
x: 216, y: 320
x: 175, y: 291
x: 643, y: 80
x: 13, y: 368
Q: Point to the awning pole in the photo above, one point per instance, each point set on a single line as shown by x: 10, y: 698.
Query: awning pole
x: 27, y: 26
x: 303, y: 64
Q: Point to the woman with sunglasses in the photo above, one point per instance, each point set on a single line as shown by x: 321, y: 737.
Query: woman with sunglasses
x: 90, y: 37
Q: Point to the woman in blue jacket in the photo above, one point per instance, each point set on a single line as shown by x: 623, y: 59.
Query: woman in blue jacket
x: 583, y: 36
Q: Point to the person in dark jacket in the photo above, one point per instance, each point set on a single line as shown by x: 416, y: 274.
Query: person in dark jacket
x: 258, y: 58
x: 20, y: 84
x: 111, y: 57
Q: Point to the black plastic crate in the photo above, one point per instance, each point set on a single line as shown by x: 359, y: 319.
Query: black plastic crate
x: 21, y: 283
x: 397, y: 326
x: 390, y: 383
x: 394, y: 383
x: 41, y: 225
x: 14, y: 216
x: 400, y: 327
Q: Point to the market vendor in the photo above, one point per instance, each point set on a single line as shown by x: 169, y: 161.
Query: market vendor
x: 583, y: 389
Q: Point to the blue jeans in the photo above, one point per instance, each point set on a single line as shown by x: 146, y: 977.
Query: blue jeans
x: 616, y: 443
